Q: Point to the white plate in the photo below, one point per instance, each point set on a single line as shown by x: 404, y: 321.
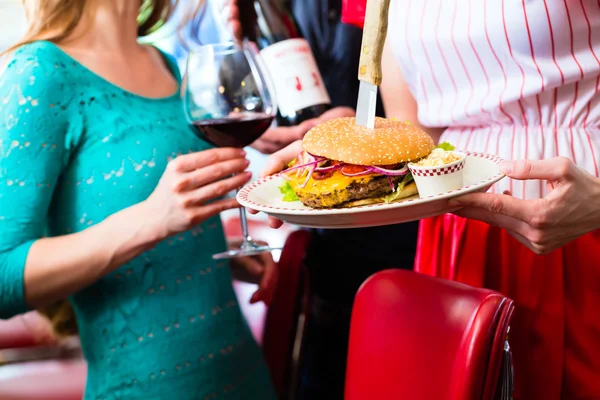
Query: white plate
x: 480, y: 173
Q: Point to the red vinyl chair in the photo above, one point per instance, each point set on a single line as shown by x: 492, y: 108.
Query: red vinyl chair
x: 417, y: 337
x: 283, y: 325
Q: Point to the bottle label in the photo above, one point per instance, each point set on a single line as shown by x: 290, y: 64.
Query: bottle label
x: 294, y: 76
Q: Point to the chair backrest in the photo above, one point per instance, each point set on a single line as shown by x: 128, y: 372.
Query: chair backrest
x: 418, y: 337
x: 282, y: 321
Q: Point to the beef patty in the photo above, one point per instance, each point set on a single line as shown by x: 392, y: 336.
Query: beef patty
x: 378, y: 186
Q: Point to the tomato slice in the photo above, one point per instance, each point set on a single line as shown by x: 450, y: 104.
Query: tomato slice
x: 352, y: 169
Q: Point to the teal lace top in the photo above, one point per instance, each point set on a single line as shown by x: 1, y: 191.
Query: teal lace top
x: 75, y: 149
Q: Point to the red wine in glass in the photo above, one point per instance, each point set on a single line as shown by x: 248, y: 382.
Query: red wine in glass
x: 226, y: 100
x: 234, y: 131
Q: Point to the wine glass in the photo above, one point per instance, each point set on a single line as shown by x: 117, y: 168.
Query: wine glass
x: 227, y: 100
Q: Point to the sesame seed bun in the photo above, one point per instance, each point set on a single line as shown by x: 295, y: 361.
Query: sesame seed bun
x: 390, y: 142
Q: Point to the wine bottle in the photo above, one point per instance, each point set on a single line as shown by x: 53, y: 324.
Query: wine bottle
x: 299, y: 88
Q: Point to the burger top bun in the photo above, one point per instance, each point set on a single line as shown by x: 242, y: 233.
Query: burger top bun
x: 389, y: 142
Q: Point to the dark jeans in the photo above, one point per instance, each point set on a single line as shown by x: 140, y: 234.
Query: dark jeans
x: 338, y: 263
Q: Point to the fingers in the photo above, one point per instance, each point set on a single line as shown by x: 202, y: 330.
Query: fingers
x: 497, y: 204
x: 535, y: 239
x: 521, y: 239
x: 204, y: 212
x: 276, y: 139
x: 266, y: 147
x: 275, y: 223
x: 338, y: 112
x: 216, y: 189
x: 248, y: 269
x: 251, y: 265
x: 279, y: 161
x: 211, y: 173
x: 540, y: 241
x: 551, y: 169
x: 541, y: 247
x: 266, y: 289
x: 287, y: 134
x: 494, y: 219
x: 193, y: 161
x: 308, y: 125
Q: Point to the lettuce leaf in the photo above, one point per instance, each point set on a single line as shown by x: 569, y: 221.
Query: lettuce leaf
x: 408, y: 178
x: 287, y: 192
x: 445, y: 146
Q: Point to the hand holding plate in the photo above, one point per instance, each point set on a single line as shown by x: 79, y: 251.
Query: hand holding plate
x: 570, y: 209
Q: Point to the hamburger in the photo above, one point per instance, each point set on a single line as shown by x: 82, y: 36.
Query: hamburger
x: 347, y: 165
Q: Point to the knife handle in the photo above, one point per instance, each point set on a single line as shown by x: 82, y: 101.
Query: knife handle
x: 374, y: 33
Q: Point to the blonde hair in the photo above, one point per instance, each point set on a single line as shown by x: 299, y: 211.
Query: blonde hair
x: 55, y: 20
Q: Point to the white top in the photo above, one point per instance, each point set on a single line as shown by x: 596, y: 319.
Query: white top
x: 511, y: 77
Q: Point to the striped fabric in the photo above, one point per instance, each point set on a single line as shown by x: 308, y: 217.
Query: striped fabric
x: 517, y: 78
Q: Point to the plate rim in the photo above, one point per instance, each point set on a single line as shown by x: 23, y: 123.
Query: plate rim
x: 243, y: 195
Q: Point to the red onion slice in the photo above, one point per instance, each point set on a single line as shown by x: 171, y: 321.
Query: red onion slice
x: 295, y: 167
x: 316, y: 157
x: 308, y: 176
x: 389, y: 172
x: 391, y: 182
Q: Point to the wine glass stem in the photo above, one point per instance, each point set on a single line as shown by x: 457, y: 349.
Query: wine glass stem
x: 244, y: 221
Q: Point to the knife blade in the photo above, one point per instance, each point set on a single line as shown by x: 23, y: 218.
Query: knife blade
x: 369, y: 70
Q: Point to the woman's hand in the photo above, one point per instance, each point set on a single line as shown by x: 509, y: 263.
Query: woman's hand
x: 189, y: 190
x: 260, y: 269
x: 277, y: 138
x: 571, y: 208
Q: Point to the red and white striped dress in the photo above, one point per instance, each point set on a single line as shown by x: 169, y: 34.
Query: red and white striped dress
x: 521, y: 79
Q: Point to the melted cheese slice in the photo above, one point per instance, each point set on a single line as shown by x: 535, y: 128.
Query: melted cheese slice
x: 331, y: 190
